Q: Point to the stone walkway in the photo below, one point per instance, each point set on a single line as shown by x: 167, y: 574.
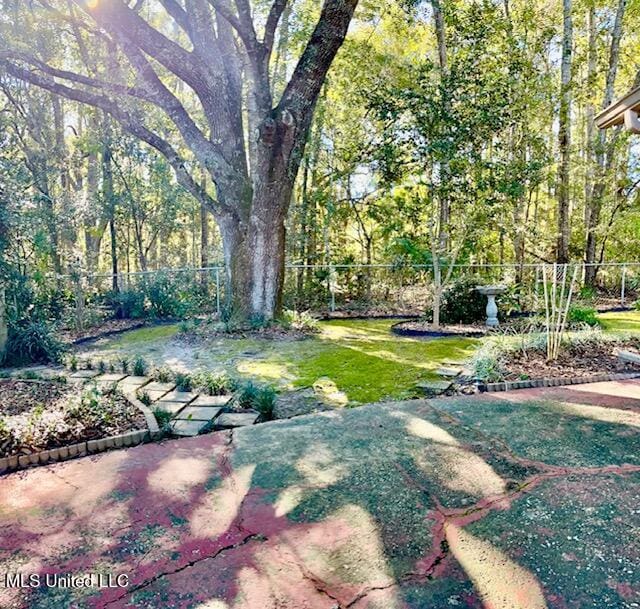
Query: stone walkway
x: 192, y: 412
x: 517, y: 500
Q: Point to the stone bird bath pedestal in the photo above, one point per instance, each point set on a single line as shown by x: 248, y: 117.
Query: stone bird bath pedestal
x: 491, y: 291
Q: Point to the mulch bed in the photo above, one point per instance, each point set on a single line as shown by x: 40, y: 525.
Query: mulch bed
x: 417, y: 327
x: 581, y: 361
x: 208, y: 332
x: 106, y: 328
x: 38, y: 415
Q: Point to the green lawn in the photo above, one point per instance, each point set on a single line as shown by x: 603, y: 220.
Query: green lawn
x: 361, y: 357
x: 621, y: 321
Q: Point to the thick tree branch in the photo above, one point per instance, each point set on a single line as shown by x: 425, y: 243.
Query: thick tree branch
x: 304, y: 87
x: 178, y: 14
x: 128, y: 122
x: 275, y: 13
x: 118, y: 18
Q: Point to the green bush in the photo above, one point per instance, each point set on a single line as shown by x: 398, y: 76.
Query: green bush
x: 139, y: 366
x: 184, y: 382
x: 165, y: 297
x: 302, y: 321
x: 260, y: 398
x: 163, y: 417
x: 583, y: 315
x: 462, y: 303
x: 32, y: 342
x: 162, y: 375
x: 127, y: 304
x: 213, y: 383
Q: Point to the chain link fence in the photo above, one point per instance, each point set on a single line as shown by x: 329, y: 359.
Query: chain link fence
x: 355, y: 289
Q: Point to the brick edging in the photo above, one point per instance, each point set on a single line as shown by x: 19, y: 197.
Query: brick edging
x: 80, y: 449
x: 559, y: 382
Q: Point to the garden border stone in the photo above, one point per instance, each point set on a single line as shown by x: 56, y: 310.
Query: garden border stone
x: 556, y: 382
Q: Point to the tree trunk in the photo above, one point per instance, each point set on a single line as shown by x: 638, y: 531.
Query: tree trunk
x: 3, y: 324
x: 110, y: 202
x: 564, y: 138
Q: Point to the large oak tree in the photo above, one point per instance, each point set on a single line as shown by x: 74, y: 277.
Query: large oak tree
x: 249, y: 144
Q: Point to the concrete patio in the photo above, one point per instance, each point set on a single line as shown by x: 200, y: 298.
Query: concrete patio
x: 518, y: 500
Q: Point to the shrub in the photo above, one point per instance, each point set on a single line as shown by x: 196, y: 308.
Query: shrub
x: 163, y: 417
x: 214, y: 383
x: 164, y: 297
x: 127, y: 304
x: 144, y: 397
x: 32, y: 342
x: 184, y: 382
x: 139, y: 366
x: 162, y: 375
x: 261, y: 398
x: 302, y: 321
x: 462, y: 303
x: 583, y: 315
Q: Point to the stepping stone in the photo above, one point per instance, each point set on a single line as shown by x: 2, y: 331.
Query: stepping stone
x: 84, y: 374
x: 212, y: 400
x: 449, y: 372
x: 131, y: 383
x: 157, y: 390
x: 172, y: 407
x: 180, y: 396
x: 198, y: 413
x: 109, y: 378
x: 433, y: 388
x: 180, y: 427
x: 629, y: 357
x: 228, y: 420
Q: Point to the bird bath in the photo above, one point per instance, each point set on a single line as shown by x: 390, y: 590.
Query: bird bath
x: 491, y: 291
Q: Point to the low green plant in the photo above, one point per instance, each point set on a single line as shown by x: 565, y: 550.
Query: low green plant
x: 144, y: 397
x: 162, y: 375
x: 259, y: 397
x: 583, y: 315
x: 124, y: 365
x: 32, y: 342
x: 213, y: 383
x: 72, y: 363
x: 88, y: 364
x: 112, y: 367
x: 139, y: 366
x: 299, y: 320
x: 102, y: 366
x: 184, y: 382
x: 163, y: 417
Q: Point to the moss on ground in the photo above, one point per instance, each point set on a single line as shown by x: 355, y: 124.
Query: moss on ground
x: 362, y: 357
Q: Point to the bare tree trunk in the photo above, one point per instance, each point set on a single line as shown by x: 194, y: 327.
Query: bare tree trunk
x: 564, y: 137
x: 110, y: 202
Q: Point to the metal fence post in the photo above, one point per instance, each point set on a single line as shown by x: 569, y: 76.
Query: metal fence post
x: 218, y: 290
x: 624, y: 281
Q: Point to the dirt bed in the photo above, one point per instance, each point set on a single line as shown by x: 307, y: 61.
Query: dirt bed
x: 577, y: 361
x: 38, y: 415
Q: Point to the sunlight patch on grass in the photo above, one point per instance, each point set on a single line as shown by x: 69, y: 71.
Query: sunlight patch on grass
x: 144, y: 335
x: 620, y: 321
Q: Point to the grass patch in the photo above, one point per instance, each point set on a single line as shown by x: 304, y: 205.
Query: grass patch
x: 620, y: 321
x: 362, y: 357
x: 143, y: 335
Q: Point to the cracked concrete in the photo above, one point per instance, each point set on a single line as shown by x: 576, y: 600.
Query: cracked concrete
x: 509, y: 501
